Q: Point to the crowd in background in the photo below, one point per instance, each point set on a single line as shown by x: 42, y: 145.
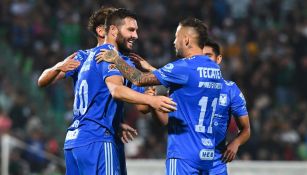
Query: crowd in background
x: 264, y: 52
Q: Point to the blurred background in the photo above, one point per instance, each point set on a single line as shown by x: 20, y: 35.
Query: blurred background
x: 264, y: 49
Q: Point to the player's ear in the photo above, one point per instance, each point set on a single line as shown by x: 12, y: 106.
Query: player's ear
x: 113, y: 30
x: 186, y: 41
x: 100, y: 30
x: 219, y: 59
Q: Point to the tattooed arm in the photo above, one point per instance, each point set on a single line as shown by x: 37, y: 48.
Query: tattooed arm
x: 137, y: 77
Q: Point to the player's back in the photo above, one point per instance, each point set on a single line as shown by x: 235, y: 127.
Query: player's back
x: 190, y: 127
x: 96, y: 113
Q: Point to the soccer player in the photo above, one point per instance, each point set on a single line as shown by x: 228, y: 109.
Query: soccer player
x: 231, y: 103
x: 195, y: 82
x: 90, y: 141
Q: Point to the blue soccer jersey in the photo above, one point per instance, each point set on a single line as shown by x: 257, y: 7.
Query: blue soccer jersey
x: 96, y: 115
x: 231, y: 103
x: 195, y: 84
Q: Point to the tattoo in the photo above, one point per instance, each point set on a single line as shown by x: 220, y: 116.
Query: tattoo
x: 111, y: 56
x: 134, y: 75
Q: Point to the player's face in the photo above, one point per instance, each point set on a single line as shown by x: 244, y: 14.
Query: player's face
x: 208, y: 51
x: 127, y: 34
x: 179, y: 43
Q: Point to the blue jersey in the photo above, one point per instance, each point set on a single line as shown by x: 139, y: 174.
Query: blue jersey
x: 195, y: 84
x: 231, y: 102
x: 96, y: 115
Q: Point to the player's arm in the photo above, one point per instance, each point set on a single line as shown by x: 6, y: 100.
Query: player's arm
x: 134, y: 75
x: 244, y: 134
x: 141, y: 63
x: 161, y: 116
x: 118, y: 91
x: 57, y: 72
x: 239, y: 111
x: 145, y: 108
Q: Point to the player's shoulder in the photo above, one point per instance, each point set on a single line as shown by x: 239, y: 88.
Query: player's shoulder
x: 230, y: 86
x: 229, y: 83
x: 82, y: 55
x: 180, y: 63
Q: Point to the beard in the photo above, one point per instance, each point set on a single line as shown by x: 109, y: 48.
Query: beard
x: 121, y: 43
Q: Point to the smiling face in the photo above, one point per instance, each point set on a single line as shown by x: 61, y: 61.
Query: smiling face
x: 127, y: 34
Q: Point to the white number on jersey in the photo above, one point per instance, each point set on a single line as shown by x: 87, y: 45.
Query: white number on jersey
x: 82, y: 97
x: 203, y: 104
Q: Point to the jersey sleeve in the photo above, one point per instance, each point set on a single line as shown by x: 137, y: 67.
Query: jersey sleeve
x: 81, y: 56
x: 238, y: 103
x: 174, y: 73
x: 107, y: 69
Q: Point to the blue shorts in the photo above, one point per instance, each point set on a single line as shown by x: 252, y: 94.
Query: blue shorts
x: 180, y: 167
x: 94, y: 158
x: 219, y: 167
x: 122, y: 158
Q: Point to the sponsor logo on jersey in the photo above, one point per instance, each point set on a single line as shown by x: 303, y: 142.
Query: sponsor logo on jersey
x: 206, y: 142
x: 207, y: 72
x: 209, y: 85
x: 168, y: 67
x: 223, y: 100
x: 206, y: 154
x: 112, y: 67
x: 72, y: 134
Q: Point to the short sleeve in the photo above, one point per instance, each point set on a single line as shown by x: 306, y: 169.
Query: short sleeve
x: 107, y: 69
x: 174, y: 73
x: 238, y: 103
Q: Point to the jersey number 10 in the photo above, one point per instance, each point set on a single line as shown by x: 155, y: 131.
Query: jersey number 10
x: 82, y: 96
x: 203, y: 104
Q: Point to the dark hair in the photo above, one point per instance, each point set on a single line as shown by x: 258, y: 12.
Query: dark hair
x: 99, y: 18
x: 214, y: 45
x: 116, y: 17
x: 200, y: 28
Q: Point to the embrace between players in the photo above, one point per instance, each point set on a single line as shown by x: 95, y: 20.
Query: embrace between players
x: 197, y: 111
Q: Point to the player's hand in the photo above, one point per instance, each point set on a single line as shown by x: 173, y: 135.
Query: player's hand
x: 163, y: 104
x: 141, y: 63
x: 107, y: 55
x: 68, y: 64
x: 231, y: 151
x: 151, y: 91
x: 127, y: 133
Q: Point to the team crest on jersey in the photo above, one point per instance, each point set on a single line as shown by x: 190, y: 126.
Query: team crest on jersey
x: 168, y: 67
x: 206, y: 142
x: 223, y: 100
x: 112, y: 67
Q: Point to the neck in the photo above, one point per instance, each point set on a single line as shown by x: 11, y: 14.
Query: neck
x: 110, y: 40
x: 100, y: 41
x: 193, y: 51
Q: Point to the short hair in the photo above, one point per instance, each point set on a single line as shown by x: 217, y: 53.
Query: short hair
x: 116, y: 17
x: 99, y: 18
x: 200, y: 28
x: 214, y: 45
